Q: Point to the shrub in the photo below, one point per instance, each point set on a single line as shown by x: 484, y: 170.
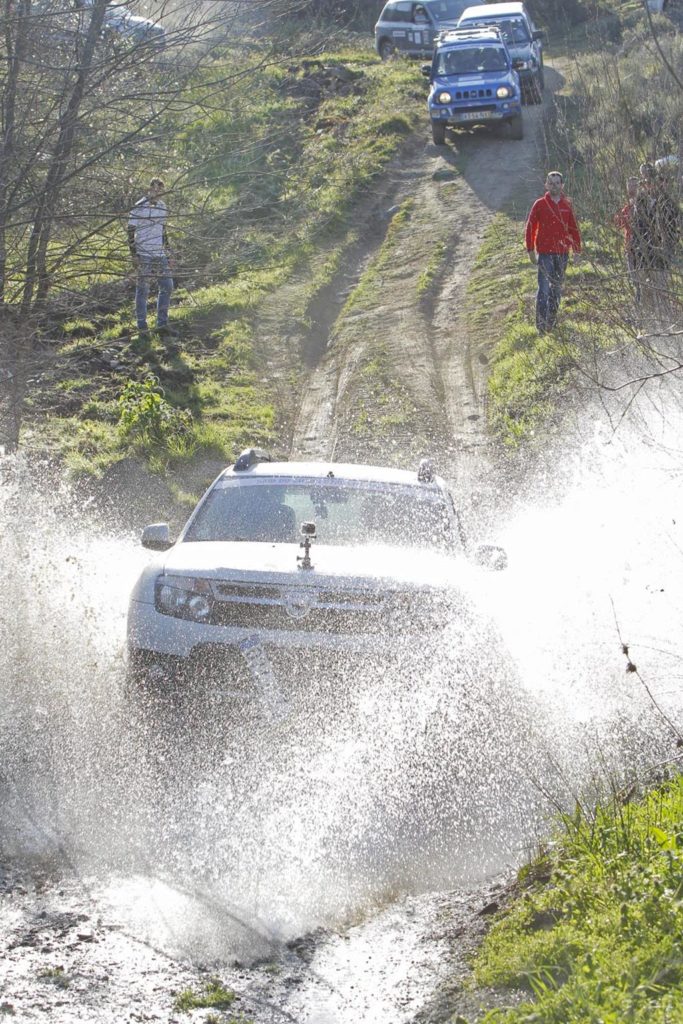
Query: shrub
x: 149, y: 421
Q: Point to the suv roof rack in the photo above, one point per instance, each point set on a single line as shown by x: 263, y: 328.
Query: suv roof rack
x: 251, y: 457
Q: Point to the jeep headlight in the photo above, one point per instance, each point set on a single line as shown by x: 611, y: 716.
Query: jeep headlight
x: 443, y: 97
x: 184, y: 597
x: 503, y: 91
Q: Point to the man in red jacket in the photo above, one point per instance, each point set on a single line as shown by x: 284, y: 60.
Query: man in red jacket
x: 551, y: 232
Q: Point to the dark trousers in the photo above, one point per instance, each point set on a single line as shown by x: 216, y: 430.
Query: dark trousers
x: 551, y: 270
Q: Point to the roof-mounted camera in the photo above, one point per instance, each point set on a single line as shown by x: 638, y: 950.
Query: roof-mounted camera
x: 308, y: 533
x: 251, y: 457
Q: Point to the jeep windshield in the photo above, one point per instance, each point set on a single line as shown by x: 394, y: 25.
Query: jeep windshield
x: 471, y: 60
x: 347, y: 514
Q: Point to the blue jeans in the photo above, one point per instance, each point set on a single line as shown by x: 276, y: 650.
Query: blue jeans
x: 551, y: 268
x: 153, y: 268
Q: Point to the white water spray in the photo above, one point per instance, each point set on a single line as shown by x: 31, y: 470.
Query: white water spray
x: 223, y: 834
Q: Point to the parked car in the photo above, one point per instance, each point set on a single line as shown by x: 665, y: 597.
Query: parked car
x: 473, y: 81
x: 121, y: 22
x: 410, y: 28
x: 302, y: 556
x: 523, y: 40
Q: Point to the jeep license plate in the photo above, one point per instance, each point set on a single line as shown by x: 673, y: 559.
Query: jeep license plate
x: 476, y: 115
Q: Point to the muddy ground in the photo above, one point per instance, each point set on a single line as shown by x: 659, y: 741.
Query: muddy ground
x: 67, y: 954
x: 67, y: 957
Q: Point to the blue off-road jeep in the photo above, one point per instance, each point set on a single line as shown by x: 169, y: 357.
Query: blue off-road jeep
x: 473, y: 81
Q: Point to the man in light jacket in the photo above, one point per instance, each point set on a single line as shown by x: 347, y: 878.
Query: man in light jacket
x: 148, y: 243
x: 551, y: 234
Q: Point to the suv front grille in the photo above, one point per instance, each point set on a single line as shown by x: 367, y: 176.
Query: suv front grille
x: 307, y: 609
x: 313, y: 620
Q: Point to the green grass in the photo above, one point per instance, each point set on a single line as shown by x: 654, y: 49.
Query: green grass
x: 366, y: 290
x: 428, y: 276
x: 214, y: 994
x: 382, y: 403
x: 55, y: 976
x: 600, y: 940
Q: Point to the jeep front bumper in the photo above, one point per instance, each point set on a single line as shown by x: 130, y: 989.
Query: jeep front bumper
x: 481, y: 115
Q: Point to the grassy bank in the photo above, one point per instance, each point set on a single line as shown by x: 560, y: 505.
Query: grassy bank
x: 269, y: 176
x: 595, y: 931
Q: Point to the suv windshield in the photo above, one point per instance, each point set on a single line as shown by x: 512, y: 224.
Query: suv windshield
x: 513, y: 30
x: 467, y: 60
x: 351, y: 514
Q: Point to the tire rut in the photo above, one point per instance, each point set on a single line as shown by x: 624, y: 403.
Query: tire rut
x: 432, y: 396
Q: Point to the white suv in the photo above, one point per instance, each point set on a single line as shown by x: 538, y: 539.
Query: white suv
x: 301, y: 555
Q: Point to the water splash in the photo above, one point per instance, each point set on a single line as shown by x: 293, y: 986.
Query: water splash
x: 227, y: 830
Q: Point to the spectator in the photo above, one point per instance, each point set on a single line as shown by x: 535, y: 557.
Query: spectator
x: 623, y: 220
x: 148, y: 243
x: 551, y: 233
x: 655, y: 230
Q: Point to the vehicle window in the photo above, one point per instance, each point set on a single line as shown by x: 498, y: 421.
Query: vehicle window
x: 448, y: 10
x: 352, y: 515
x: 514, y: 31
x: 471, y: 59
x: 420, y: 15
x: 397, y: 12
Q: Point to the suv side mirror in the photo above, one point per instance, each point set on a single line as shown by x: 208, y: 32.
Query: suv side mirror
x: 157, y: 537
x: 518, y: 63
x: 538, y: 34
x: 490, y: 556
x: 426, y: 70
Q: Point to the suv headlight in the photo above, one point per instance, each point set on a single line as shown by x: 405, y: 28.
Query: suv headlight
x: 443, y: 97
x: 184, y: 598
x: 503, y: 91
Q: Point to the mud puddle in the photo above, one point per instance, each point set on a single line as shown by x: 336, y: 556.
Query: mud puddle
x: 73, y: 951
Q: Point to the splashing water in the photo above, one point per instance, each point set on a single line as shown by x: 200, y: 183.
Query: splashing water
x: 229, y: 829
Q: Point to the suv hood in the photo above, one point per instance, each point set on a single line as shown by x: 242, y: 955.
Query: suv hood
x: 360, y: 566
x: 466, y: 81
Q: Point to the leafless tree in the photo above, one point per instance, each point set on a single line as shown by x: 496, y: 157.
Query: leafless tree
x: 86, y: 94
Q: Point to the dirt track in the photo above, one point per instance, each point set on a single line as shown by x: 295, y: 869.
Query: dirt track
x: 453, y: 193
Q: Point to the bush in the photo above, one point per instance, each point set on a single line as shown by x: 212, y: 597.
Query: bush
x: 149, y: 421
